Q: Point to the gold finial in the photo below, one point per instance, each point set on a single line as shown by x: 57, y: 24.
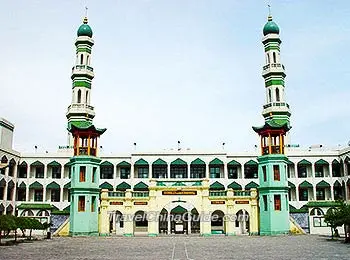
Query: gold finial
x: 86, y: 14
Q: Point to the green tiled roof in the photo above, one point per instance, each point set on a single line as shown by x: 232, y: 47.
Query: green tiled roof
x: 273, y: 124
x: 291, y: 185
x: 234, y: 185
x: 123, y: 164
x: 106, y: 163
x: 67, y: 185
x: 217, y: 186
x: 321, y: 162
x: 54, y: 163
x: 159, y: 162
x: 22, y: 185
x: 179, y: 183
x: 67, y: 164
x: 303, y: 209
x: 23, y: 163
x: 53, y: 185
x: 251, y: 185
x: 178, y: 161
x: 35, y: 185
x: 84, y: 125
x: 106, y: 185
x: 141, y: 186
x: 123, y: 186
x: 198, y: 162
x: 251, y: 163
x: 305, y: 184
x: 141, y: 162
x: 290, y: 162
x: 37, y: 163
x: 234, y: 163
x: 178, y: 210
x: 304, y: 162
x: 34, y: 206
x: 323, y: 184
x: 323, y: 204
x: 216, y: 161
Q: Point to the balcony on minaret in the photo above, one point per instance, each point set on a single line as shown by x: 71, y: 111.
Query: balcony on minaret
x: 82, y: 69
x: 81, y: 109
x: 85, y: 136
x: 273, y: 68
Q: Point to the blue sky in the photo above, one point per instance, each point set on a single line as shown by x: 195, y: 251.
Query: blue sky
x: 175, y: 70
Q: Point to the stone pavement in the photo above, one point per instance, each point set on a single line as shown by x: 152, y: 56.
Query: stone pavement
x: 180, y: 247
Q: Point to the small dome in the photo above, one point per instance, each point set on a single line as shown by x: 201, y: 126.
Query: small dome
x: 85, y: 29
x: 270, y: 27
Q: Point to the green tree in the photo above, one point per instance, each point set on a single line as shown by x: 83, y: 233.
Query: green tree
x: 332, y: 218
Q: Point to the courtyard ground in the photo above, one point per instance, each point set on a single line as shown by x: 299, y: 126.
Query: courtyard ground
x: 180, y: 247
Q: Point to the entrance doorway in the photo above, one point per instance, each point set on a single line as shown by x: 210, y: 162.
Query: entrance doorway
x: 140, y: 222
x: 179, y: 220
x: 217, y: 222
x: 242, y: 221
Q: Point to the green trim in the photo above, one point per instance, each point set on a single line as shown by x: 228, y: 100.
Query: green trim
x: 141, y: 186
x: 54, y: 164
x: 106, y: 163
x: 106, y: 185
x: 36, y: 185
x: 305, y: 184
x: 159, y: 162
x: 251, y: 185
x: 84, y: 84
x: 303, y: 209
x: 304, y: 162
x: 234, y: 163
x: 321, y: 162
x: 337, y: 184
x: 128, y: 235
x: 178, y: 210
x: 53, y: 185
x: 22, y: 185
x: 291, y: 185
x: 123, y: 164
x: 67, y: 208
x: 152, y: 234
x: 179, y: 183
x: 251, y: 163
x: 35, y: 206
x: 335, y: 161
x: 217, y: 186
x: 234, y: 185
x: 67, y: 185
x: 59, y: 212
x: 198, y: 162
x: 272, y: 82
x: 323, y: 204
x: 88, y: 50
x: 323, y: 184
x: 197, y: 183
x: 141, y: 162
x: 216, y: 161
x: 269, y: 48
x: 37, y: 163
x: 123, y: 186
x: 178, y: 161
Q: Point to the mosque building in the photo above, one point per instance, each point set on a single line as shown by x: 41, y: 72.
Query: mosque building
x: 84, y: 192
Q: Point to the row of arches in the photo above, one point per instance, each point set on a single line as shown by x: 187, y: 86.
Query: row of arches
x: 8, y: 210
x: 81, y: 95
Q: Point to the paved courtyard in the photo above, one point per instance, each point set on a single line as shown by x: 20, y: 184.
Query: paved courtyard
x: 180, y: 247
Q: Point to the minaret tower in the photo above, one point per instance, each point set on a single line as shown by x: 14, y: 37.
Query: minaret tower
x: 80, y: 109
x: 273, y: 188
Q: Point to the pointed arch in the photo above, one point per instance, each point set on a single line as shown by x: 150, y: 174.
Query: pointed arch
x: 79, y: 96
x: 278, y: 94
x: 270, y: 96
x: 274, y: 57
x: 87, y: 97
x: 81, y: 58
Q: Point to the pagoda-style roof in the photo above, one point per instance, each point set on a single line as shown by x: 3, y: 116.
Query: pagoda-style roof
x: 273, y: 124
x: 84, y: 126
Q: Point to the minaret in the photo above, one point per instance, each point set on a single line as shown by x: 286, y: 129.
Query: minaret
x: 273, y: 188
x: 80, y: 109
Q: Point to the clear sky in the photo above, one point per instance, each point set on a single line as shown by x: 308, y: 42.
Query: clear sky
x: 175, y: 70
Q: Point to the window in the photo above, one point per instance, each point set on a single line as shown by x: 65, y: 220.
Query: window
x: 55, y: 195
x: 277, y: 200
x: 214, y: 172
x: 81, y: 58
x: 39, y: 172
x: 22, y: 171
x: 233, y: 172
x: 56, y: 172
x: 269, y: 96
x: 87, y: 97
x: 81, y: 203
x: 124, y: 173
x: 277, y: 94
x: 94, y: 169
x: 82, y: 174
x: 265, y: 202
x: 142, y: 172
x: 303, y: 195
x: 38, y: 195
x: 87, y: 60
x: 79, y: 96
x: 320, y: 194
x: 274, y: 57
x: 93, y: 202
x: 319, y: 222
x: 268, y: 58
x: 276, y: 173
x: 319, y: 171
x: 178, y: 172
x: 336, y: 169
x: 197, y: 171
x: 106, y: 172
x: 264, y: 173
x: 160, y: 172
x: 21, y: 194
x: 250, y: 172
x: 302, y: 171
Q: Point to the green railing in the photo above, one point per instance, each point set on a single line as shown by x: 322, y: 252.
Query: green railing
x: 241, y: 193
x: 217, y: 193
x: 116, y: 194
x: 140, y: 194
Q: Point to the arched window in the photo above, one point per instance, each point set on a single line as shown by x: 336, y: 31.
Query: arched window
x: 81, y: 58
x: 79, y: 96
x: 316, y: 212
x: 87, y: 60
x: 269, y: 95
x: 268, y: 58
x: 277, y: 94
x: 87, y: 97
x: 274, y: 57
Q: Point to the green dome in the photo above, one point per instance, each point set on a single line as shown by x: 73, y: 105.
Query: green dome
x: 85, y: 29
x: 270, y: 27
